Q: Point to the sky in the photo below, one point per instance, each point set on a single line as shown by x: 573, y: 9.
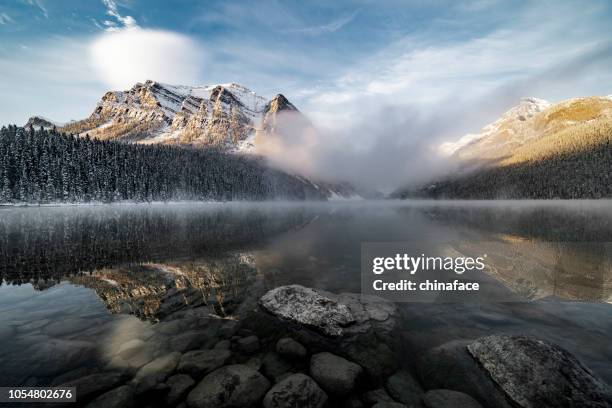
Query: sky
x: 382, y: 80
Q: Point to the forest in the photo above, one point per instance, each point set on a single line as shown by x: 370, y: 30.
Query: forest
x: 46, y: 166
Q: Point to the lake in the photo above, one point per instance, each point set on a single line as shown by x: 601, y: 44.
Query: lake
x: 81, y: 282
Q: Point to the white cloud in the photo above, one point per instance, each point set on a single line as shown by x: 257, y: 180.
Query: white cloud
x: 123, y: 21
x: 122, y: 58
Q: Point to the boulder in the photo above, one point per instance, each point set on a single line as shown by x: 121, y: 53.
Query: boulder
x: 290, y: 348
x: 402, y: 387
x: 198, y: 363
x: 536, y: 373
x: 178, y: 386
x: 307, y: 307
x: 335, y: 374
x: 228, y: 387
x: 120, y: 397
x: 190, y: 340
x: 297, y: 390
x: 223, y: 345
x: 448, y: 399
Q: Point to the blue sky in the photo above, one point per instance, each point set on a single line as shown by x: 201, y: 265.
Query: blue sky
x: 366, y: 70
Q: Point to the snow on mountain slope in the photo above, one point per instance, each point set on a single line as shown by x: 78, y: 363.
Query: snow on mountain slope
x: 501, y: 131
x: 224, y: 115
x: 532, y: 125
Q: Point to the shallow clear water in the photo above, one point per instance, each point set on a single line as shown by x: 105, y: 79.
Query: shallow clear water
x: 80, y: 281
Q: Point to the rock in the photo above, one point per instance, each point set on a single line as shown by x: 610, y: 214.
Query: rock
x: 392, y: 405
x: 402, y: 387
x: 120, y: 397
x: 91, y: 386
x: 248, y: 345
x: 297, y: 390
x: 72, y: 375
x: 228, y: 329
x: 353, y: 403
x: 188, y: 341
x: 130, y: 348
x: 223, y: 345
x: 179, y: 384
x: 198, y: 363
x: 378, y: 360
x: 290, y: 348
x: 448, y: 399
x: 163, y: 365
x: 275, y: 367
x: 374, y: 396
x: 536, y: 373
x: 306, y: 307
x: 450, y: 366
x: 228, y: 387
x: 335, y: 374
x: 152, y: 386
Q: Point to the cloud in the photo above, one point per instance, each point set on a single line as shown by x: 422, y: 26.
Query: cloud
x: 124, y: 57
x: 122, y: 21
x: 38, y: 4
x: 381, y: 121
x: 331, y: 27
x: 5, y: 19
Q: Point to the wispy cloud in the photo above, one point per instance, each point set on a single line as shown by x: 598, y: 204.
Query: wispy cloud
x: 330, y: 27
x: 5, y: 19
x: 123, y: 22
x: 40, y: 6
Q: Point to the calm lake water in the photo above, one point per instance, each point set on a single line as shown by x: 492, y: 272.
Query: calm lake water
x: 78, y: 282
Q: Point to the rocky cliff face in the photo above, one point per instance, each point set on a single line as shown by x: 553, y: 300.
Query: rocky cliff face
x: 226, y: 116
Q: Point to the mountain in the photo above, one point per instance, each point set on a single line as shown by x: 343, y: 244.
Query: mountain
x: 535, y: 150
x: 228, y: 116
x: 39, y: 121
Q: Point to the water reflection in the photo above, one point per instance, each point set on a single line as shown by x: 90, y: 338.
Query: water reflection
x: 64, y: 269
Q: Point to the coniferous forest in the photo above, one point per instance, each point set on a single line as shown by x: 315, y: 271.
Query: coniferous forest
x: 44, y: 166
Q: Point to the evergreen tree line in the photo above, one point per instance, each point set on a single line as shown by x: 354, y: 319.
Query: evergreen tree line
x: 45, y: 166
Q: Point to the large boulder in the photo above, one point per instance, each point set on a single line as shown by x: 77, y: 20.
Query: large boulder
x: 308, y: 308
x: 297, y: 390
x: 448, y: 399
x: 535, y: 373
x: 229, y: 387
x: 335, y: 374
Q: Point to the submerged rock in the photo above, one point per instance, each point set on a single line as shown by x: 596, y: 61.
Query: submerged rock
x: 307, y: 307
x: 335, y: 374
x: 198, y: 363
x: 91, y: 386
x: 178, y: 386
x: 448, y: 399
x: 228, y: 387
x: 120, y: 397
x: 163, y: 366
x: 450, y: 366
x: 290, y: 348
x: 248, y: 345
x: 297, y: 390
x: 537, y: 374
x: 404, y: 388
